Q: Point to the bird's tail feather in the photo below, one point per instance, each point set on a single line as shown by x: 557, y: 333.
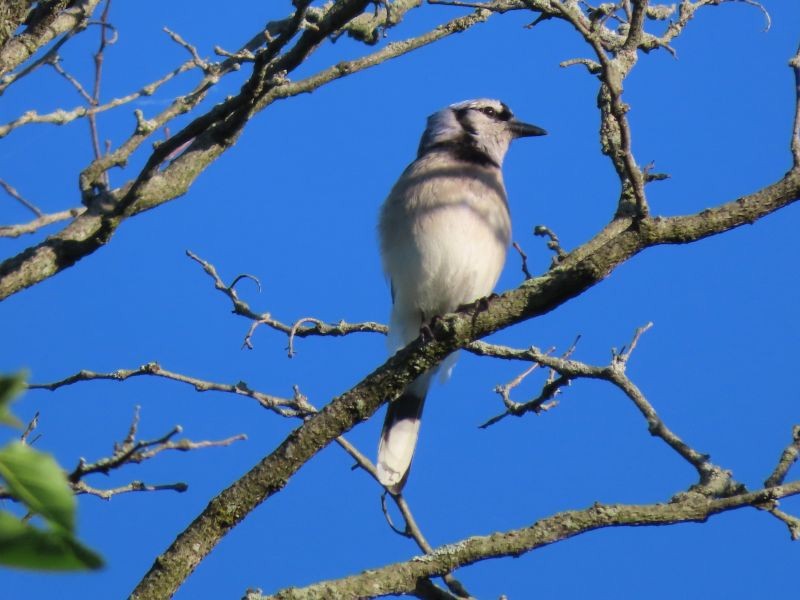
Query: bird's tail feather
x: 399, y: 438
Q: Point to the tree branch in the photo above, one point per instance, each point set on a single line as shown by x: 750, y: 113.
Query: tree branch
x: 12, y: 231
x: 579, y: 271
x: 42, y: 31
x: 282, y: 406
x: 794, y: 63
x: 402, y: 578
x: 209, y: 136
x: 297, y: 329
x: 12, y: 191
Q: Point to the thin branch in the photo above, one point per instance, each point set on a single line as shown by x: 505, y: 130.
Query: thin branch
x: 94, y: 100
x: 282, y: 406
x: 788, y: 458
x: 129, y: 451
x: 132, y: 450
x: 524, y: 258
x: 192, y: 50
x: 764, y: 11
x: 62, y: 117
x: 543, y: 402
x: 31, y: 427
x: 791, y: 522
x: 297, y: 329
x: 12, y: 231
x: 592, y: 66
x: 794, y: 63
x: 411, y: 529
x: 713, y: 479
x: 553, y: 243
x: 401, y: 578
x: 48, y: 59
x: 82, y: 487
x: 55, y: 62
x: 624, y: 354
x: 11, y: 191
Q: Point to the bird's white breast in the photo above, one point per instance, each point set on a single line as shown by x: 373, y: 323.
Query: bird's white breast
x: 444, y: 232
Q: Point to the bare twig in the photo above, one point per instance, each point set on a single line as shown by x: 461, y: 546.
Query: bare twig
x: 713, y: 480
x: 543, y: 402
x: 592, y: 66
x: 62, y: 117
x: 764, y: 11
x: 32, y: 425
x: 12, y: 231
x: 11, y: 191
x: 411, y: 529
x: 129, y: 451
x: 791, y: 522
x: 282, y: 406
x: 94, y: 101
x: 297, y: 329
x: 795, y: 64
x: 524, y: 258
x: 81, y: 487
x: 553, y: 244
x: 202, y: 64
x: 788, y: 458
x: 133, y: 451
x: 624, y: 354
x: 55, y: 62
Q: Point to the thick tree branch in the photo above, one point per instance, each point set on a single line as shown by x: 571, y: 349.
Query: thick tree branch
x: 207, y: 137
x: 42, y: 31
x: 579, y: 271
x: 202, y: 141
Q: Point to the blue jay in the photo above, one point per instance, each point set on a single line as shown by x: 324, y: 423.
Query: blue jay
x: 444, y: 230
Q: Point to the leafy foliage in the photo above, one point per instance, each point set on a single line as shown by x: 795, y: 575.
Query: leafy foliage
x: 35, y: 479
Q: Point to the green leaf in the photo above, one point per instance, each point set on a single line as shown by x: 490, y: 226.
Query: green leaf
x: 34, y: 478
x: 24, y: 546
x: 10, y: 387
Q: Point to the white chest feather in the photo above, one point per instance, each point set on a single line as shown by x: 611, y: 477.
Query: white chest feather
x: 444, y: 232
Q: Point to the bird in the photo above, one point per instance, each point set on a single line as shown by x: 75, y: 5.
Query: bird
x: 444, y: 230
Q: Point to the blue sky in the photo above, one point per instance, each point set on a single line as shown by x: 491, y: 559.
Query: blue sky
x: 295, y: 203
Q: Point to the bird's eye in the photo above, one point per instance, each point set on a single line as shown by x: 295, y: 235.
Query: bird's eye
x: 489, y: 111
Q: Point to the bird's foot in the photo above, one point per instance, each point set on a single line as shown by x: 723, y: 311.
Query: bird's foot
x: 483, y: 303
x: 426, y: 331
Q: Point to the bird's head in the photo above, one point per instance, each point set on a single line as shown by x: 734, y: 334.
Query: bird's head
x: 485, y: 125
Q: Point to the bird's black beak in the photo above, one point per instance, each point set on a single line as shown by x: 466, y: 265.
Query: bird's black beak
x: 520, y: 129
